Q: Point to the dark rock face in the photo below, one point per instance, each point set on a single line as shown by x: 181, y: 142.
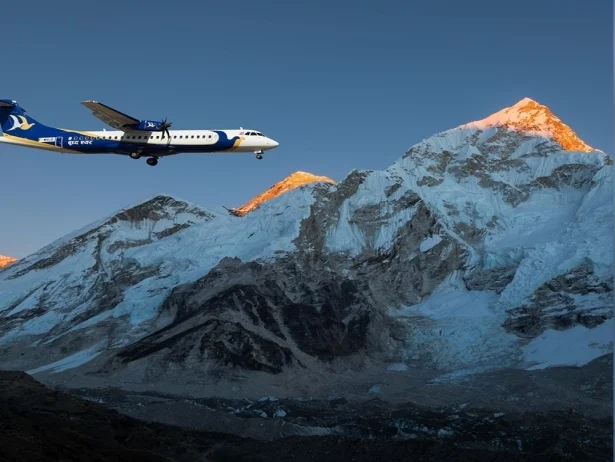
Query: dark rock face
x: 572, y: 175
x: 495, y: 279
x: 322, y: 333
x: 554, y: 306
x: 244, y: 319
x: 228, y: 344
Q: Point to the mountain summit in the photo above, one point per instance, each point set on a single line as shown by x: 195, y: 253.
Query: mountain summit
x: 532, y: 118
x: 6, y: 261
x: 291, y: 182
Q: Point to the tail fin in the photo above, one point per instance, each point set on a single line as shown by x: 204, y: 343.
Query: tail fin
x: 13, y: 119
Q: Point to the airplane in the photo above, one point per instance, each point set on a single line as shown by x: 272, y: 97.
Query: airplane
x: 132, y: 137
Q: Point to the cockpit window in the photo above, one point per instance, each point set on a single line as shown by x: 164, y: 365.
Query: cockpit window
x: 259, y: 134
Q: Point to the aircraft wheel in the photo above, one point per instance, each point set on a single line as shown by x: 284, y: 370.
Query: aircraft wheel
x: 259, y: 156
x: 152, y: 161
x: 135, y: 155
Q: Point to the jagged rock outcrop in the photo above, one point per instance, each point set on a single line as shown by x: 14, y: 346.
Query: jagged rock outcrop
x: 577, y: 297
x: 461, y: 255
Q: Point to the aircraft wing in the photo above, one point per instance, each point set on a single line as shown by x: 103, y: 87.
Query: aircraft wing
x: 110, y: 116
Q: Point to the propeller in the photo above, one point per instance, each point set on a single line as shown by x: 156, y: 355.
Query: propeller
x: 164, y: 127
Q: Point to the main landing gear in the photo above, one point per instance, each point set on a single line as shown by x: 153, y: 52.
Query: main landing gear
x: 259, y: 155
x: 153, y: 161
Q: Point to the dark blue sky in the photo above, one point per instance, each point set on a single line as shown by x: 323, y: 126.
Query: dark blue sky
x: 340, y: 85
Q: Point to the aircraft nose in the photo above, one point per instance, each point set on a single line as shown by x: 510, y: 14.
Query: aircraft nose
x: 274, y: 143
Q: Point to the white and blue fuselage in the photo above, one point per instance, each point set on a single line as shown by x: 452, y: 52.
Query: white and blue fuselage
x: 136, y: 139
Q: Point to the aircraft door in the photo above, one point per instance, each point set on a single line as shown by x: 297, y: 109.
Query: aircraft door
x: 59, y: 141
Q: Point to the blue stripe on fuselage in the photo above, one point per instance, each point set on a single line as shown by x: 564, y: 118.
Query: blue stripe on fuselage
x: 83, y: 143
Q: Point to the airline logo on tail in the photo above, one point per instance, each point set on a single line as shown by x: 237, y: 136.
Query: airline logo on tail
x: 20, y: 122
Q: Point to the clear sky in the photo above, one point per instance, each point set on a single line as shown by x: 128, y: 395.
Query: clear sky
x: 340, y: 84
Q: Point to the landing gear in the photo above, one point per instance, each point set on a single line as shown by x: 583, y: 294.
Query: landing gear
x: 135, y: 155
x: 153, y: 161
x: 259, y: 155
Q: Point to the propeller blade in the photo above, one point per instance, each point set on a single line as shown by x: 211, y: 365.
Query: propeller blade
x: 164, y: 128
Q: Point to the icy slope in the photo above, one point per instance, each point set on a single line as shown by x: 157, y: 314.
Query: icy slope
x: 126, y: 265
x: 499, y: 188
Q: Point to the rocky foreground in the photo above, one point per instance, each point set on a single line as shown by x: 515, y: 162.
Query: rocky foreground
x: 37, y: 423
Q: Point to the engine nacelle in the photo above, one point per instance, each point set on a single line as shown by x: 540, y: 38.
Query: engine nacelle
x: 148, y: 126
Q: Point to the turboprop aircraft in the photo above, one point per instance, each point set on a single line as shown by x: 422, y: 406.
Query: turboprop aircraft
x: 131, y: 137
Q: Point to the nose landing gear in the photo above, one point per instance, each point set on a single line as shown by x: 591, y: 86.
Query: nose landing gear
x: 259, y: 155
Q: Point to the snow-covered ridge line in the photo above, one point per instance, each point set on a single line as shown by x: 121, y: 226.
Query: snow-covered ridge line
x: 293, y: 181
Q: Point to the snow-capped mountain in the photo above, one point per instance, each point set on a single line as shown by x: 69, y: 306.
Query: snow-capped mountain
x: 487, y: 245
x: 5, y: 261
x: 291, y: 182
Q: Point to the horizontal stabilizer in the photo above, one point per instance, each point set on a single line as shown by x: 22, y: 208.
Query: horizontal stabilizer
x: 7, y: 103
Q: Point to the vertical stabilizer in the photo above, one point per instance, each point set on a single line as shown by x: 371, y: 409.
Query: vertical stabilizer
x: 13, y: 119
